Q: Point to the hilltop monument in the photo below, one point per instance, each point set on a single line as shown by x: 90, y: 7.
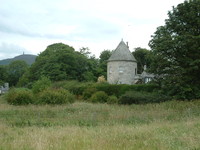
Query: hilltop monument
x: 121, y: 66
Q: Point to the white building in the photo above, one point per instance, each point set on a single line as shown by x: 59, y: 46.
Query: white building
x: 121, y: 66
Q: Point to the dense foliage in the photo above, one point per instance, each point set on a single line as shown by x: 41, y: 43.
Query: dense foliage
x: 55, y: 96
x: 86, y: 90
x: 135, y: 97
x: 13, y: 72
x: 59, y: 62
x: 176, y: 51
x: 20, y: 96
x: 143, y: 57
x: 3, y: 74
x: 100, y: 97
x: 104, y: 56
x: 41, y: 85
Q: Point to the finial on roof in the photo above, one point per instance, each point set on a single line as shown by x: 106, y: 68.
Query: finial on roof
x: 122, y: 39
x: 127, y: 44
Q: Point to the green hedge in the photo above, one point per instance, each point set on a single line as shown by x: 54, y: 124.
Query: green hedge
x: 82, y: 88
x: 135, y: 97
x: 118, y: 90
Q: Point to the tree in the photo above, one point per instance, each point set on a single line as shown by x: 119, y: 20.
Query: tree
x: 85, y: 51
x: 61, y: 62
x: 142, y: 56
x: 15, y: 71
x: 104, y: 56
x: 3, y: 74
x: 176, y: 51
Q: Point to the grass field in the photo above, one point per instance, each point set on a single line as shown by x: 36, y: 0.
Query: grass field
x: 85, y: 126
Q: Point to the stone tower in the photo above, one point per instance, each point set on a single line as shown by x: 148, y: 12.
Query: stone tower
x: 121, y: 66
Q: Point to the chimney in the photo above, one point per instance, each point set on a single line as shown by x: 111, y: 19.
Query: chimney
x: 127, y: 44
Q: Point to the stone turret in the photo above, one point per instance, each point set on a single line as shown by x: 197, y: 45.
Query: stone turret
x: 121, y: 66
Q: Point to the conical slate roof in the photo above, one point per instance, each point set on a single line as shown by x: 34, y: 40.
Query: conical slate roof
x: 122, y: 53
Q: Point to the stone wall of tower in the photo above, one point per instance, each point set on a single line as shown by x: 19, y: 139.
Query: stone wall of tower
x: 121, y: 72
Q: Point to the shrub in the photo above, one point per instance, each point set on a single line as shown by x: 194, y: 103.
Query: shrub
x: 19, y: 96
x: 112, y: 100
x: 118, y: 90
x: 55, y: 96
x: 41, y: 85
x: 75, y: 87
x: 100, y: 97
x: 110, y: 89
x: 89, y: 92
x: 134, y: 97
x: 101, y: 79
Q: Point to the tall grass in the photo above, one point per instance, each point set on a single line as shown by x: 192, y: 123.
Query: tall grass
x: 86, y: 126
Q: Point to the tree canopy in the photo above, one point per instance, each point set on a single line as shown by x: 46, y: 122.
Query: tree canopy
x: 3, y: 74
x: 176, y: 51
x: 15, y: 70
x: 104, y: 56
x: 142, y: 56
x: 61, y: 62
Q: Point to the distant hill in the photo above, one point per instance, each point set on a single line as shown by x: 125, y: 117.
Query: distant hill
x: 29, y: 59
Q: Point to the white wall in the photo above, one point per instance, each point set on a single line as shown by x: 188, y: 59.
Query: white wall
x: 121, y: 72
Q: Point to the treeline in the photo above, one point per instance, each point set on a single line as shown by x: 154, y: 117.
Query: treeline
x: 61, y: 62
x: 58, y: 62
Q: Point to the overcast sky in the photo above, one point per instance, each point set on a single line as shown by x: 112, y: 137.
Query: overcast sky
x: 29, y: 26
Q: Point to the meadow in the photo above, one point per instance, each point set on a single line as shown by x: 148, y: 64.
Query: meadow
x: 171, y: 125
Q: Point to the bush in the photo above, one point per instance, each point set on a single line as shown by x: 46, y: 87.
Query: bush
x: 89, y: 92
x: 75, y: 87
x: 41, y: 85
x: 118, y: 90
x: 19, y: 96
x: 100, y: 97
x: 55, y: 96
x: 112, y: 100
x: 134, y: 97
x: 101, y: 79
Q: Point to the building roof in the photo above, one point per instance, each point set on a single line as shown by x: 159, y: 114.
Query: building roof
x: 122, y: 53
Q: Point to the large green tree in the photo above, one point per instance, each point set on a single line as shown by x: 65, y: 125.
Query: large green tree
x: 15, y: 70
x: 176, y: 51
x: 60, y: 62
x: 143, y: 57
x: 91, y: 73
x: 3, y: 74
x: 103, y: 58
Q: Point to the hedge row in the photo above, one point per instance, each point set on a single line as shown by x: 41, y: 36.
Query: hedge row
x: 78, y: 88
x: 135, y: 97
x: 45, y: 92
x: 110, y: 93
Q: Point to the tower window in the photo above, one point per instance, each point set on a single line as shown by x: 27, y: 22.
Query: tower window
x: 121, y: 69
x: 110, y: 70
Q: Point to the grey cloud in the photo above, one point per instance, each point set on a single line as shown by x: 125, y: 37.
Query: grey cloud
x: 32, y: 22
